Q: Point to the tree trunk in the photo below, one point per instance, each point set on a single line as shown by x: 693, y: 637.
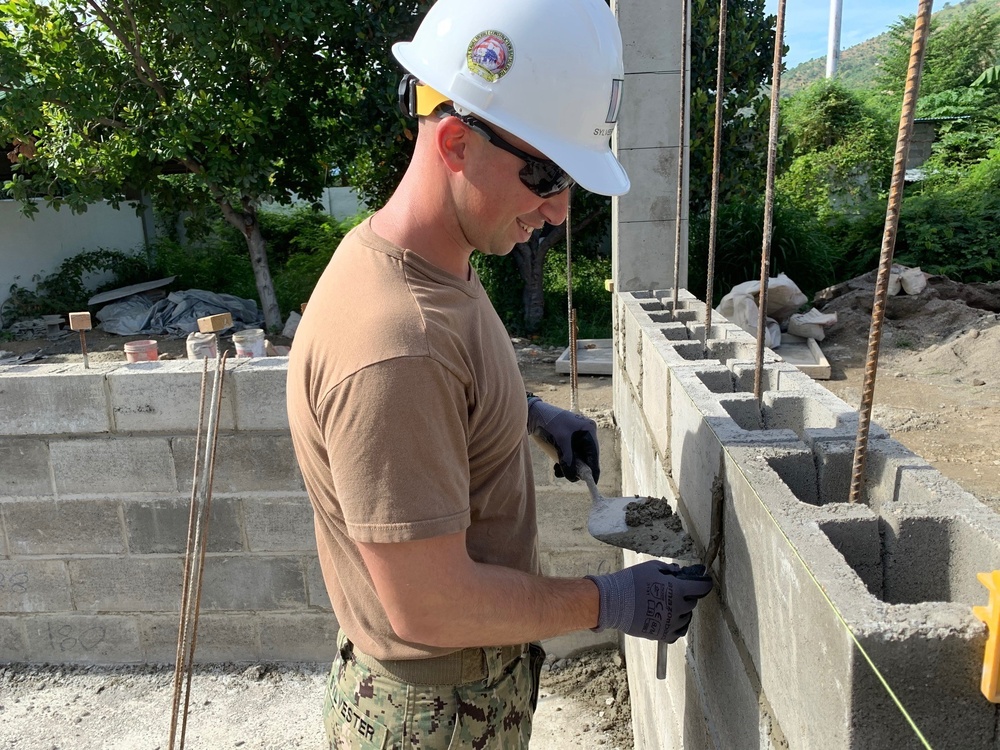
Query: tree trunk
x: 246, y: 221
x: 530, y: 259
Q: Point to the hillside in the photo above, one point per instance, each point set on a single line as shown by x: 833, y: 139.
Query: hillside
x: 858, y: 63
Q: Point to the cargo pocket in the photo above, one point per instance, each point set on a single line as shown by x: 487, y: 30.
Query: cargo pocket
x: 348, y: 728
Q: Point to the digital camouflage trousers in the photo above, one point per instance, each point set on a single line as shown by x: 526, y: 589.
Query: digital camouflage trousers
x: 367, y: 710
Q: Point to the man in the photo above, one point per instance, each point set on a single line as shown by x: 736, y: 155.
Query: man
x: 408, y: 411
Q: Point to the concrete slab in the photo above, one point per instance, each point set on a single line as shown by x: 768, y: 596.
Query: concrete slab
x: 593, y: 357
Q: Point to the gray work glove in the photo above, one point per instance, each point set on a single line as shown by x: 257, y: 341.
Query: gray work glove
x: 572, y: 435
x: 651, y: 600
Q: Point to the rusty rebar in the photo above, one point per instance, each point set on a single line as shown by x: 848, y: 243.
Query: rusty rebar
x: 917, y: 49
x: 772, y: 157
x: 570, y: 310
x: 194, y: 557
x: 713, y: 222
x: 678, y: 233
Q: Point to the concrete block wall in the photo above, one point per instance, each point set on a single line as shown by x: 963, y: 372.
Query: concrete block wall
x: 770, y: 660
x: 96, y: 469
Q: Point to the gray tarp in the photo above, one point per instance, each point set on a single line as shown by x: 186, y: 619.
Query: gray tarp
x: 177, y: 314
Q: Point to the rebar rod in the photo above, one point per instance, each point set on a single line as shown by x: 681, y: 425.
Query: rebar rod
x: 570, y: 310
x: 917, y: 50
x: 678, y: 233
x: 179, y: 666
x: 194, y: 556
x: 772, y: 157
x: 713, y: 222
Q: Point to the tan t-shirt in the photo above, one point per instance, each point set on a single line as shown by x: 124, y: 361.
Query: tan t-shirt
x: 408, y: 416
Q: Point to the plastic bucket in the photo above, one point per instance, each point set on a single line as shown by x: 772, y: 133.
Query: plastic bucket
x: 249, y: 342
x: 202, y: 346
x: 141, y: 351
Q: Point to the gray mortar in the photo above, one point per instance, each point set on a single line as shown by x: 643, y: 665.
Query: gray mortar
x: 654, y: 529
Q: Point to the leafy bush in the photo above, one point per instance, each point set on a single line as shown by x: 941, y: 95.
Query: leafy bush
x: 800, y: 248
x: 66, y: 290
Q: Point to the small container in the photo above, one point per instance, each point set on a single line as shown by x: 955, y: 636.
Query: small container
x: 141, y: 351
x: 249, y: 342
x: 202, y: 346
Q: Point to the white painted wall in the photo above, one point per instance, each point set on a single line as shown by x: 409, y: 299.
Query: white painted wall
x: 30, y: 247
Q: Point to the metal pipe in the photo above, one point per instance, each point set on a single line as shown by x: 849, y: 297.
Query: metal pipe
x: 918, y: 48
x: 833, y: 38
x: 772, y: 157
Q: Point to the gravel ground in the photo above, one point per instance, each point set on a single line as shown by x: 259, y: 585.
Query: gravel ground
x: 583, y: 702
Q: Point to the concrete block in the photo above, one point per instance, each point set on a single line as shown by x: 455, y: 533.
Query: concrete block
x: 562, y: 518
x: 164, y: 396
x: 656, y: 394
x: 53, y: 400
x: 63, y: 527
x: 229, y: 637
x: 112, y: 465
x: 318, y: 598
x: 28, y: 585
x: 576, y: 563
x: 279, y: 525
x: 127, y: 584
x: 650, y: 41
x: 83, y: 639
x: 648, y: 260
x: 24, y: 467
x: 253, y: 583
x: 567, y: 645
x: 650, y: 100
x: 161, y: 526
x: 300, y: 637
x: 655, y: 168
x: 244, y: 462
x: 13, y: 641
x: 260, y: 394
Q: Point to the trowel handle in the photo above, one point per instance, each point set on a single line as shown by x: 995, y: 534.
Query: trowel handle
x: 661, y: 660
x: 583, y: 471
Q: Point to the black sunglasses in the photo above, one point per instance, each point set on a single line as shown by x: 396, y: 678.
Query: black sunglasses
x: 543, y: 177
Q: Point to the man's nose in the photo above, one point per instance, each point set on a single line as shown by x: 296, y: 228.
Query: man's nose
x: 554, y: 208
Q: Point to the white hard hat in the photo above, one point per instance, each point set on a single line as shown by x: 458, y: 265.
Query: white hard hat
x: 548, y: 71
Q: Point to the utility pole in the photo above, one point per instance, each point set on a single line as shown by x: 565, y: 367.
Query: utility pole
x: 833, y: 41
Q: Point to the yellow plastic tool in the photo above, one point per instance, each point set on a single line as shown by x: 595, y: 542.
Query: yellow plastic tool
x: 990, y: 614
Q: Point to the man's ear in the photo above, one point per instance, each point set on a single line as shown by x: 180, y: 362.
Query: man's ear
x: 452, y: 140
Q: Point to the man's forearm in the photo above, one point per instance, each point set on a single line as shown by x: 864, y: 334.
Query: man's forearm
x: 434, y: 594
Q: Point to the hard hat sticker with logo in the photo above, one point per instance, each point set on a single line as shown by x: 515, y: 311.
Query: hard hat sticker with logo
x: 490, y: 55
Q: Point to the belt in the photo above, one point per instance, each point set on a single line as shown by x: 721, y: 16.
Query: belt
x: 457, y: 668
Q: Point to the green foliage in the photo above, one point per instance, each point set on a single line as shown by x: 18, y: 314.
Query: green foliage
x: 591, y: 300
x: 504, y: 286
x: 957, y: 51
x: 67, y: 290
x: 218, y: 264
x: 749, y: 64
x: 840, y: 150
x: 800, y: 248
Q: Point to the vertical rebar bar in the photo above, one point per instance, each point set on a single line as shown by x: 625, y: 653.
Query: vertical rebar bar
x: 570, y: 310
x: 772, y: 156
x: 682, y: 130
x: 713, y: 223
x: 917, y: 49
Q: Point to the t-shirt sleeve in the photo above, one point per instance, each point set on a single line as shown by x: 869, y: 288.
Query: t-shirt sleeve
x: 397, y: 440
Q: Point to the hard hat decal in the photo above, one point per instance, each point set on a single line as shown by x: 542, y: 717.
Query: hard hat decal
x: 616, y: 100
x: 490, y: 55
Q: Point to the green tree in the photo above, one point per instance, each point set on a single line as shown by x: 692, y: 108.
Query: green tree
x: 218, y: 104
x: 957, y: 52
x: 749, y: 65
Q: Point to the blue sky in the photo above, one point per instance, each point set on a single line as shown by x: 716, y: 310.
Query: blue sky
x: 807, y: 23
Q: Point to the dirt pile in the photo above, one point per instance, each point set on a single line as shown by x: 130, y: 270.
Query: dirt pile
x: 949, y: 332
